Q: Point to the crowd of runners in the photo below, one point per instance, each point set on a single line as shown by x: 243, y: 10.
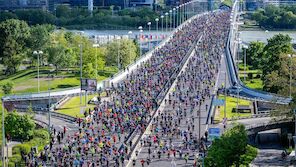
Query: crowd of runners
x: 103, y: 138
x: 174, y: 134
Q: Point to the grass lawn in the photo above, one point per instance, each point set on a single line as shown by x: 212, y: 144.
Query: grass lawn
x: 255, y: 82
x: 26, y: 81
x: 230, y: 104
x: 72, y: 106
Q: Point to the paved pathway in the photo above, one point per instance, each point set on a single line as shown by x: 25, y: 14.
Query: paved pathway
x: 269, y: 156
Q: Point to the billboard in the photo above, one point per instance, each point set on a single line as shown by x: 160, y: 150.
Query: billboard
x: 89, y: 84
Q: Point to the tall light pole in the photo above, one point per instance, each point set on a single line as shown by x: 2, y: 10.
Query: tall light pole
x: 290, y: 84
x: 80, y: 71
x: 3, y: 135
x: 141, y: 31
x: 245, y: 61
x: 162, y: 16
x: 118, y: 47
x: 38, y: 53
x: 174, y: 19
x: 186, y: 11
x: 156, y: 20
x: 171, y: 18
x: 49, y: 103
x: 149, y: 40
x: 96, y: 46
x: 166, y: 21
x: 238, y: 90
x: 181, y: 13
x: 177, y: 16
x: 130, y: 37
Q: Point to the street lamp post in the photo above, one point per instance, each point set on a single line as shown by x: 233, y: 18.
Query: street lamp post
x: 238, y: 90
x: 174, y: 19
x: 162, y: 16
x: 38, y: 53
x: 96, y: 46
x: 118, y: 47
x: 171, y: 18
x: 49, y: 103
x: 3, y: 134
x: 245, y: 60
x: 182, y: 13
x: 177, y: 16
x: 225, y: 92
x: 290, y: 84
x: 186, y: 11
x: 80, y: 71
x: 166, y: 21
x: 141, y: 31
x: 149, y: 40
x: 156, y: 20
x: 129, y: 59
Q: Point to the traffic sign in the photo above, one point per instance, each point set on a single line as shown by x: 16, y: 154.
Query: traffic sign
x: 214, y: 133
x: 218, y: 102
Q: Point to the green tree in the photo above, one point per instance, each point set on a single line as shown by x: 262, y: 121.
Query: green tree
x: 255, y: 54
x: 7, y: 87
x: 35, y: 16
x: 60, y: 57
x: 278, y: 81
x: 63, y: 11
x: 227, y: 150
x: 123, y: 50
x: 38, y: 40
x: 88, y: 71
x: 277, y: 45
x: 13, y: 35
x: 19, y: 126
x: 4, y: 15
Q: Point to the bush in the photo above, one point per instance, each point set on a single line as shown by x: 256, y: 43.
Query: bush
x: 26, y: 148
x: 247, y: 158
x: 41, y: 133
x: 250, y: 75
x: 15, y: 159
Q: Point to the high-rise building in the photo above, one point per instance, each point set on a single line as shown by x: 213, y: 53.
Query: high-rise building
x: 51, y: 5
x: 90, y: 5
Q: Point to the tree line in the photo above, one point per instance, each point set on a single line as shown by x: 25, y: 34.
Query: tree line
x: 80, y: 18
x: 61, y: 49
x: 274, y: 61
x: 282, y: 17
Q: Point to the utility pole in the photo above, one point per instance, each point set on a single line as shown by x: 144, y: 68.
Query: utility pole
x: 3, y: 135
x: 80, y: 72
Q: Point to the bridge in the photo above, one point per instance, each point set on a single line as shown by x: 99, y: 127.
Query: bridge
x: 142, y: 130
x: 237, y: 87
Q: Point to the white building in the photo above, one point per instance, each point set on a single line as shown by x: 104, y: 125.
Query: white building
x: 279, y: 2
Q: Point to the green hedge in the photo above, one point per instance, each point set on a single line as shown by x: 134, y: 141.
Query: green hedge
x: 247, y: 158
x: 41, y: 133
x: 41, y: 138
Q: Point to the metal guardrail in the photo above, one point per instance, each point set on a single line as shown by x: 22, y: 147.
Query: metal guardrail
x: 253, y: 126
x: 41, y: 123
x: 58, y: 115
